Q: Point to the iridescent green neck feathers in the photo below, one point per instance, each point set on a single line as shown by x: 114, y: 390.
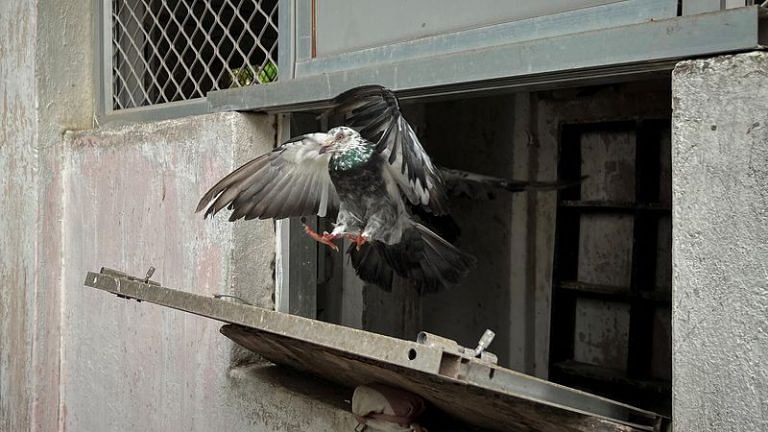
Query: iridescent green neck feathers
x: 351, y: 157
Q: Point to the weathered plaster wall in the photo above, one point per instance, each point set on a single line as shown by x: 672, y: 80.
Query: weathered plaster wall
x: 720, y: 246
x: 18, y: 201
x: 46, y: 88
x: 130, y: 193
x: 64, y: 75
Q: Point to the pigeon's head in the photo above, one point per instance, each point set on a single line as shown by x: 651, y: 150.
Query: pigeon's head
x: 341, y: 138
x: 347, y: 148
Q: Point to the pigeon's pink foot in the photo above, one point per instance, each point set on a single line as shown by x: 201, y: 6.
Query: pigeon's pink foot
x: 324, y: 238
x: 359, y: 240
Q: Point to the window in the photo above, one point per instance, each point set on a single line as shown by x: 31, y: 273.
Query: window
x: 526, y: 244
x: 173, y: 51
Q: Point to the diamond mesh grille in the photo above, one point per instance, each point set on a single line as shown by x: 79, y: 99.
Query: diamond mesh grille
x: 172, y: 50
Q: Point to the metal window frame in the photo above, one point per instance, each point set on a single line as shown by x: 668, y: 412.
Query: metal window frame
x: 619, y: 13
x: 598, y: 55
x: 307, y: 83
x: 102, y: 71
x: 102, y: 24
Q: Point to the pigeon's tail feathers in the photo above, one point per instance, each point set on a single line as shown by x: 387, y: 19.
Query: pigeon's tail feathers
x: 442, y: 263
x: 371, y: 264
x: 422, y: 257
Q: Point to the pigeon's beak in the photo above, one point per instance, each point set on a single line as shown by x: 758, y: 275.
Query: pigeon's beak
x: 326, y: 146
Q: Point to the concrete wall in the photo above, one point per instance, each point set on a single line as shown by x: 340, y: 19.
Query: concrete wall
x: 18, y: 199
x: 130, y: 193
x: 720, y: 246
x: 46, y: 88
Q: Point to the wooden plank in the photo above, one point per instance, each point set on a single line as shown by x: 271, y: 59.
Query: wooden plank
x: 611, y: 376
x: 473, y: 390
x: 616, y: 293
x: 494, y: 411
x: 615, y: 206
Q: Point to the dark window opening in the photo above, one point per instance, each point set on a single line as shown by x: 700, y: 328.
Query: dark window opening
x: 611, y: 327
x: 576, y: 283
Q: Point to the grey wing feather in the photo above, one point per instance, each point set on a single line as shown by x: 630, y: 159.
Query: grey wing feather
x: 292, y: 180
x: 375, y: 112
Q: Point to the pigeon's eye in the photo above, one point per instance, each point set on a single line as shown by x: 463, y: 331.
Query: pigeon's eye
x: 339, y: 135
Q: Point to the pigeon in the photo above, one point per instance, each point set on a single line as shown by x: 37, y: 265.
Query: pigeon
x: 371, y: 172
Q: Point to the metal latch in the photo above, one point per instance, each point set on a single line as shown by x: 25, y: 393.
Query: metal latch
x: 121, y: 275
x: 451, y: 346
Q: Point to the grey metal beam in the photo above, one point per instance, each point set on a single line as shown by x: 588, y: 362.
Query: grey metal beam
x: 158, y: 112
x: 691, y: 7
x: 516, y: 30
x: 286, y: 44
x: 102, y: 65
x: 633, y: 48
x: 298, y: 285
x: 303, y: 22
x: 367, y: 24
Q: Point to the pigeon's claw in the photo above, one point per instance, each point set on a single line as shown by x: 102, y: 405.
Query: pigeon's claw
x: 324, y: 238
x: 359, y: 240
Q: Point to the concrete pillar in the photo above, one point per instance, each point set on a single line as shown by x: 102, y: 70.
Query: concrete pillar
x: 46, y: 87
x: 720, y: 246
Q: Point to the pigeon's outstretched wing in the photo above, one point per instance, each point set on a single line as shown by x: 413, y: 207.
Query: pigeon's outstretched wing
x: 374, y: 111
x: 292, y: 180
x: 426, y: 260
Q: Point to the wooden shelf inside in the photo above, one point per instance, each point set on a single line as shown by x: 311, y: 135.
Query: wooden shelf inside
x: 617, y: 293
x: 611, y: 377
x: 615, y: 206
